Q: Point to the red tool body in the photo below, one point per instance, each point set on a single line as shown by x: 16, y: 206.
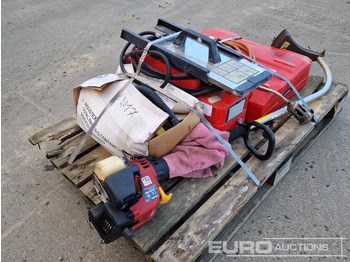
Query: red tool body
x: 291, y: 65
x: 132, y: 196
x: 158, y: 64
x: 147, y: 205
x: 223, y: 109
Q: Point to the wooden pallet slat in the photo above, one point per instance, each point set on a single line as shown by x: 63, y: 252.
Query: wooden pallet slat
x: 81, y: 170
x: 65, y: 151
x: 89, y: 193
x: 60, y: 131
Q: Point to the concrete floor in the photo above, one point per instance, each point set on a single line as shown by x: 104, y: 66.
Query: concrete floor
x: 49, y: 47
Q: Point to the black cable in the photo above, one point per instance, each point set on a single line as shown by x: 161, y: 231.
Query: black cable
x: 125, y: 48
x: 151, y: 71
x: 148, y: 33
x: 155, y: 53
x: 155, y: 99
x: 147, y: 69
x: 204, y: 91
x: 121, y: 57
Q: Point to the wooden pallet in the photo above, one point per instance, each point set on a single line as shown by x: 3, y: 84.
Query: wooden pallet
x: 201, y: 210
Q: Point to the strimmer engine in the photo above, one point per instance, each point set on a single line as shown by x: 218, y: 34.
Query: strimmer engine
x: 131, y: 197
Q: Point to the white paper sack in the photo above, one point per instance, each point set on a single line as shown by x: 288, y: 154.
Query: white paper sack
x: 175, y: 106
x: 127, y: 125
x: 170, y: 91
x: 100, y: 81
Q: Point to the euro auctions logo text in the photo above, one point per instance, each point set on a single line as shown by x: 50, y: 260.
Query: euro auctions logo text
x: 241, y: 247
x: 280, y: 247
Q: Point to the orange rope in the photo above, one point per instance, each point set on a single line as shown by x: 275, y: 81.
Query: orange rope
x: 240, y: 46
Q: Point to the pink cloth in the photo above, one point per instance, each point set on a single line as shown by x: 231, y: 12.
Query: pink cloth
x: 193, y: 157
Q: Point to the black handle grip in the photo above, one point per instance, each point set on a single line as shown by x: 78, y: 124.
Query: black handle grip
x: 270, y: 136
x: 236, y: 133
x: 243, y: 131
x: 214, y: 55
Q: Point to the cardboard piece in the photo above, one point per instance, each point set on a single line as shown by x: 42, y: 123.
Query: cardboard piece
x: 165, y: 143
